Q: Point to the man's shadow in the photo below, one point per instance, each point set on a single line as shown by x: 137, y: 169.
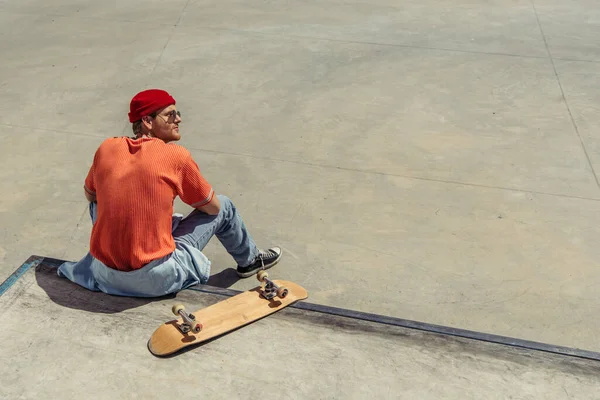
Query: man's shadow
x: 223, y: 279
x: 68, y: 294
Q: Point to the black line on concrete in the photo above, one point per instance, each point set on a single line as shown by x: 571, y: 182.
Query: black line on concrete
x: 57, y: 14
x: 396, y: 45
x: 251, y: 31
x: 562, y: 92
x: 422, y: 326
x: 99, y: 135
x: 182, y: 12
x: 34, y: 261
x: 419, y: 178
x: 308, y: 164
x: 85, y: 212
x: 169, y: 39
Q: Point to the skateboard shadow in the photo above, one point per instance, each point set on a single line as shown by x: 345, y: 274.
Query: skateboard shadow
x: 273, y: 303
x: 68, y: 294
x: 199, y: 345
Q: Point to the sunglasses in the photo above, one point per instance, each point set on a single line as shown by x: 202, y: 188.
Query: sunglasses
x: 171, y: 115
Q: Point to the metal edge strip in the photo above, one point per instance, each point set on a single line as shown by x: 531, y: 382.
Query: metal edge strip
x: 423, y: 326
x: 31, y: 262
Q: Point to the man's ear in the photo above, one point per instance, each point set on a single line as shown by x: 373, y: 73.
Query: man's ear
x: 147, y: 121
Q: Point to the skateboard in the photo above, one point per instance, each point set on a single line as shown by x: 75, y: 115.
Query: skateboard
x: 242, y: 309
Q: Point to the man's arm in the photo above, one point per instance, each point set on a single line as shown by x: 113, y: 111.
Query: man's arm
x: 212, y: 208
x: 194, y: 189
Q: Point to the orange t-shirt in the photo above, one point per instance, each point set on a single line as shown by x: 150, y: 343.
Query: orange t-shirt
x: 135, y: 182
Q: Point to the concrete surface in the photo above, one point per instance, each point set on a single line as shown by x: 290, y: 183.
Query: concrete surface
x: 430, y: 160
x: 65, y: 342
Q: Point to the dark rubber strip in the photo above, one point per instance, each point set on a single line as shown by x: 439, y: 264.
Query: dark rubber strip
x: 34, y: 261
x: 422, y: 326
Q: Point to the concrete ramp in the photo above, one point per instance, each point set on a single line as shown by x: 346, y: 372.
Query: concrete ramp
x: 60, y: 341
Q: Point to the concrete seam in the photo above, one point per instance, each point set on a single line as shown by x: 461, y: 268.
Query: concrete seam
x: 396, y: 175
x: 74, y: 231
x: 250, y: 31
x: 564, y: 97
x: 337, y: 167
x: 397, y: 45
x: 54, y: 14
x: 168, y: 41
x: 182, y: 11
x: 54, y: 130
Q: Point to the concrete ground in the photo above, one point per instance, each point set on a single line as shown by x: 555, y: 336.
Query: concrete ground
x: 430, y: 160
x: 74, y: 344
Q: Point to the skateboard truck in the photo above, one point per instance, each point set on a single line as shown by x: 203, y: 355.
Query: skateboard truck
x: 189, y: 320
x: 271, y: 289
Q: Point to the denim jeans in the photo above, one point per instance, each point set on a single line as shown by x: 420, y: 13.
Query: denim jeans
x: 184, y: 267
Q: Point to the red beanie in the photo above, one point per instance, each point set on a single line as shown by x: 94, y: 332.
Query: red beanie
x: 146, y: 102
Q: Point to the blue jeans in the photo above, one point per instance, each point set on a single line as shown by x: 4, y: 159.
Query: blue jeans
x: 184, y: 267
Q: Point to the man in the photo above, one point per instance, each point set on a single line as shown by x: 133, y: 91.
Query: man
x: 137, y: 246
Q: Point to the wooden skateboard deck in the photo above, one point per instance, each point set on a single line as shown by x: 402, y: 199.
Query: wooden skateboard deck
x: 224, y: 316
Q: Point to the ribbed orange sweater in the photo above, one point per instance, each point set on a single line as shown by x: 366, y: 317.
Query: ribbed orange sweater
x: 135, y: 182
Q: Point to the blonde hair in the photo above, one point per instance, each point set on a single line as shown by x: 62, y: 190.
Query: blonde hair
x: 136, y: 127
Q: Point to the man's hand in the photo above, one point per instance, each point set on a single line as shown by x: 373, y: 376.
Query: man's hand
x: 211, y: 208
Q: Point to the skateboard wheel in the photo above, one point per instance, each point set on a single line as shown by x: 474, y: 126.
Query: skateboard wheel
x: 176, y: 308
x: 262, y: 275
x: 282, y: 292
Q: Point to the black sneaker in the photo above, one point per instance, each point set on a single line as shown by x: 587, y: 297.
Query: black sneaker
x: 265, y: 260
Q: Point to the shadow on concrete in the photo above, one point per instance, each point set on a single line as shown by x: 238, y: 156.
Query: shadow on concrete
x: 197, y: 346
x: 68, y: 294
x: 224, y: 279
